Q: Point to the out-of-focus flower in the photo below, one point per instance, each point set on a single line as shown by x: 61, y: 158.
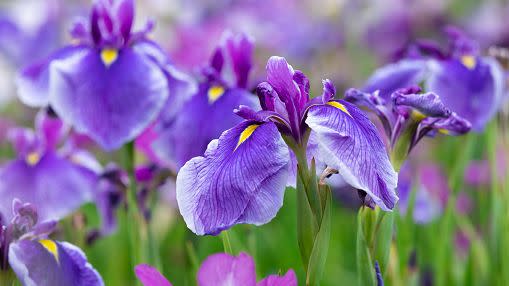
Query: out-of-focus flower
x: 36, y: 259
x: 432, y: 193
x: 57, y: 181
x: 111, y: 83
x: 178, y: 137
x: 408, y: 116
x: 469, y: 84
x: 220, y: 269
x: 242, y: 177
x: 29, y: 38
x: 386, y: 27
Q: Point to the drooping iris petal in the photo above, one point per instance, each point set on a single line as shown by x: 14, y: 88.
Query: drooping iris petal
x: 395, y: 76
x: 241, y: 179
x: 350, y: 143
x: 224, y: 269
x: 149, y: 276
x: 289, y: 279
x: 473, y: 92
x: 111, y: 103
x: 51, y: 263
x: 199, y: 122
x: 33, y: 81
x: 55, y: 185
x: 428, y: 103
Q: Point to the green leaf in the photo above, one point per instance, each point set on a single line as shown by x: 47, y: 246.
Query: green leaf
x: 321, y: 244
x: 307, y: 225
x: 383, y: 238
x: 365, y: 266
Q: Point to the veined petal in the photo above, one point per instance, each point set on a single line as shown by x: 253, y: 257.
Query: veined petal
x: 289, y: 279
x: 54, y: 185
x: 350, y: 143
x: 149, y: 276
x: 51, y: 263
x: 112, y: 104
x: 427, y: 103
x: 280, y: 77
x: 241, y: 179
x: 224, y: 269
x: 199, y: 122
x: 33, y: 81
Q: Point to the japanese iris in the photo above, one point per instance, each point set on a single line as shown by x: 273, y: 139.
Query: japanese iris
x: 243, y: 174
x: 110, y: 83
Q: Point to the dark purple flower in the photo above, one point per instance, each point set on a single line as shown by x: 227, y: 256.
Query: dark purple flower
x: 38, y: 260
x: 220, y: 269
x: 57, y: 182
x: 243, y: 174
x: 111, y: 83
x: 409, y: 115
x: 173, y: 140
x: 469, y: 84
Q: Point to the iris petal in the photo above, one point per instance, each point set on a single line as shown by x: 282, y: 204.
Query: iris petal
x: 227, y: 187
x: 110, y: 104
x: 352, y: 145
x: 35, y: 265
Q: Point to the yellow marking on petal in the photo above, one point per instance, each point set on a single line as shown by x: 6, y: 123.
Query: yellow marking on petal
x: 33, y: 158
x: 339, y: 106
x: 50, y: 246
x: 469, y: 61
x: 109, y: 56
x: 246, y: 133
x: 214, y: 93
x: 417, y: 115
x: 444, y: 131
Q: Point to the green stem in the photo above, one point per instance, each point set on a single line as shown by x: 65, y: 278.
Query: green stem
x: 138, y: 232
x: 227, y: 246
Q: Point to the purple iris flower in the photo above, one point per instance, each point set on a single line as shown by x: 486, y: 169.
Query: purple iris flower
x: 173, y: 140
x: 221, y: 269
x: 111, y: 83
x: 469, y: 84
x: 243, y: 174
x: 57, y: 180
x: 36, y: 259
x: 409, y: 115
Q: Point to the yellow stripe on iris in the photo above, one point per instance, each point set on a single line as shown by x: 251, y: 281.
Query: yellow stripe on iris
x: 339, y: 106
x: 50, y: 246
x: 214, y: 93
x: 246, y: 134
x: 33, y: 158
x: 109, y: 56
x: 469, y: 62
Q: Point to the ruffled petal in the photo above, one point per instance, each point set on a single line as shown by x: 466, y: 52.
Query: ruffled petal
x: 51, y: 263
x: 111, y: 103
x: 241, y: 179
x: 350, y: 143
x: 54, y: 185
x: 224, y: 269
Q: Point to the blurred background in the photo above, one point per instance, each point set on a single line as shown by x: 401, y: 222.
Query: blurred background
x: 342, y: 40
